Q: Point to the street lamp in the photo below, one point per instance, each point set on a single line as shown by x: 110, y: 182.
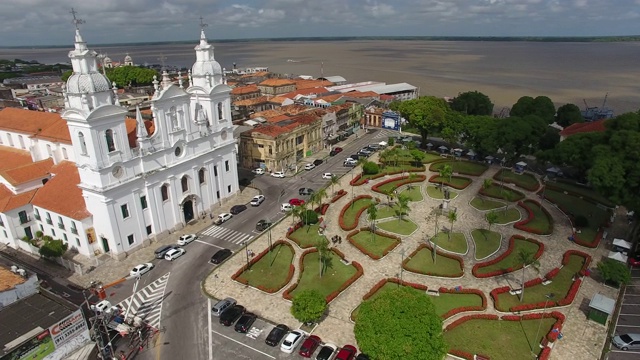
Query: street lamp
x: 548, y: 297
x: 246, y: 243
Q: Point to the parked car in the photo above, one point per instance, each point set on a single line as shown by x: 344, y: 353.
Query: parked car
x: 309, y: 345
x: 159, y: 253
x: 374, y: 146
x: 364, y: 152
x: 305, y: 191
x: 141, y: 269
x: 327, y: 175
x: 187, y: 238
x: 257, y: 200
x: 348, y: 352
x: 237, y: 209
x: 222, y: 218
x: 355, y: 157
x: 278, y: 174
x: 337, y: 149
x: 327, y: 352
x: 293, y: 339
x: 296, y: 202
x: 263, y: 224
x: 333, y: 153
x: 634, y: 261
x: 317, y: 162
x: 231, y: 315
x: 244, y: 323
x: 286, y: 207
x: 350, y: 162
x: 627, y: 341
x: 222, y: 305
x: 309, y: 166
x: 220, y: 256
x: 174, y: 254
x: 258, y: 171
x: 276, y: 334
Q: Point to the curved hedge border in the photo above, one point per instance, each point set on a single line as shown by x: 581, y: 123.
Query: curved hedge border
x: 518, y: 193
x: 322, y: 209
x: 377, y: 232
x: 433, y: 181
x: 360, y: 180
x: 350, y: 227
x: 434, y: 166
x: 438, y: 252
x: 402, y: 180
x: 509, y: 250
x: 382, y: 282
x: 458, y: 310
x: 470, y: 317
x: 257, y: 258
x: 359, y: 272
x: 521, y: 225
x: 497, y: 177
x: 338, y: 196
x: 295, y: 227
x: 552, y: 335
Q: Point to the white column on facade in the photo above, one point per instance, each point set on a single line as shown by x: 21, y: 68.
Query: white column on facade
x: 174, y: 200
x: 139, y: 214
x: 155, y: 208
x: 114, y: 235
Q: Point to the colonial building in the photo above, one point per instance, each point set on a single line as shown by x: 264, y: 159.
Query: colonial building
x: 276, y: 86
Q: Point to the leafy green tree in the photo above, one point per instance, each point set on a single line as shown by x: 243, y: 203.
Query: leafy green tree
x: 370, y: 168
x: 418, y: 156
x: 526, y: 258
x: 520, y: 136
x: 66, y: 74
x: 53, y: 248
x: 131, y: 76
x: 568, y: 114
x: 400, y: 313
x: 309, y: 217
x: 614, y: 271
x: 550, y: 139
x: 453, y: 217
x: 472, y: 103
x: 323, y: 255
x: 445, y: 172
x: 541, y: 106
x: 391, y: 141
x: 372, y: 214
x: 426, y: 114
x: 403, y: 206
x: 481, y: 133
x: 492, y: 218
x: 296, y: 212
x: 308, y: 306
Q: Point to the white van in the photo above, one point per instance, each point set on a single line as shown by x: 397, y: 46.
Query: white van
x: 286, y: 207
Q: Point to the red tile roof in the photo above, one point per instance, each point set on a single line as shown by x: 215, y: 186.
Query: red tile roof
x: 240, y: 90
x: 10, y: 201
x: 276, y: 129
x: 47, y: 125
x: 252, y: 102
x: 277, y: 82
x: 309, y: 91
x: 586, y: 127
x: 61, y: 194
x: 9, y: 280
x: 11, y: 158
x: 132, y: 127
x: 28, y: 172
x: 57, y: 132
x: 306, y: 84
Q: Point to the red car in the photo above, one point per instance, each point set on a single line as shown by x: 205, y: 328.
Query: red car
x: 309, y: 346
x: 296, y: 202
x: 337, y: 149
x: 348, y: 352
x: 634, y: 261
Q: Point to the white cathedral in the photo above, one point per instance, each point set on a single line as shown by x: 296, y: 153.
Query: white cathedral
x: 106, y: 183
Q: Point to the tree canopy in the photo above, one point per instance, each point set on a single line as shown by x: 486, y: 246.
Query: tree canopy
x: 53, y: 248
x: 472, y: 103
x: 308, y: 306
x: 614, y: 271
x: 131, y: 76
x: 541, y: 106
x: 400, y: 324
x: 427, y: 114
x: 568, y: 114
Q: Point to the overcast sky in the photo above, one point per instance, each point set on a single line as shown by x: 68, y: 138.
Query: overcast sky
x: 47, y: 22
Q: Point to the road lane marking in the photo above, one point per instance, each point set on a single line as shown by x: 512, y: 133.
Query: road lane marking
x: 206, y: 243
x: 210, y: 330
x: 245, y: 345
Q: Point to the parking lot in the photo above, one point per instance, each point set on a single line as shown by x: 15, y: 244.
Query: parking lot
x: 629, y: 318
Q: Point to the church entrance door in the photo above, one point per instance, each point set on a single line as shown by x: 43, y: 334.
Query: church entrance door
x: 187, y: 209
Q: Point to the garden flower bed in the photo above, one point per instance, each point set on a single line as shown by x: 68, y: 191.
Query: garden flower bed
x: 269, y: 273
x: 538, y: 221
x: 375, y: 246
x: 507, y: 216
x: 421, y: 261
x: 456, y: 182
x: 392, y: 184
x: 486, y: 242
x: 524, y: 180
x: 456, y: 244
x: 464, y: 167
x: 402, y: 226
x: 503, y: 193
x: 338, y: 195
x: 305, y: 236
x: 351, y: 212
x: 507, y: 262
x: 361, y: 179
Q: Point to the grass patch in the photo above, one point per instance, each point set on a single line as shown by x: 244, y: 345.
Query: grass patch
x: 422, y: 263
x: 486, y: 204
x: 580, y: 190
x: 506, y: 217
x: 502, y: 192
x: 457, y: 243
x: 457, y: 182
x: 271, y: 270
x: 461, y: 167
x: 402, y: 227
x: 375, y: 244
x: 386, y: 211
x: 500, y: 340
x: 511, y: 260
x: 335, y: 275
x: 541, y: 221
x: 414, y: 193
x: 349, y: 217
x: 575, y: 206
x: 487, y: 242
x: 524, y: 180
x: 536, y: 294
x: 431, y: 157
x: 394, y: 184
x: 386, y: 169
x: 436, y: 193
x: 306, y: 236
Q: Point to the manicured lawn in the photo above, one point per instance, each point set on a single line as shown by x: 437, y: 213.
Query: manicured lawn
x: 306, y: 236
x: 374, y: 243
x: 462, y: 167
x: 414, y: 193
x: 486, y: 204
x: 579, y: 189
x: 394, y: 184
x: 431, y: 157
x: 335, y: 275
x: 577, y: 206
x: 436, y: 193
x: 500, y: 340
x: 397, y: 226
x: 390, y: 168
x: 536, y: 294
x: 457, y: 182
x: 457, y: 243
x: 405, y: 155
x: 511, y: 261
x: 354, y: 208
x: 422, y: 262
x: 509, y: 216
x: 487, y: 242
x: 385, y: 211
x: 271, y: 270
x: 541, y: 221
x: 525, y: 180
x: 502, y: 192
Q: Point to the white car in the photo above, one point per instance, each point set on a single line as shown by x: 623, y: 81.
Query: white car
x: 174, y: 254
x: 258, y: 171
x: 141, y: 269
x: 309, y: 167
x: 327, y: 175
x: 257, y: 200
x: 286, y: 207
x: 278, y: 174
x: 224, y: 217
x: 185, y: 239
x: 292, y: 340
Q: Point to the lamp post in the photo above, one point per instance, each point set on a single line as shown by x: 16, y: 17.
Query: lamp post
x: 549, y: 296
x: 246, y: 243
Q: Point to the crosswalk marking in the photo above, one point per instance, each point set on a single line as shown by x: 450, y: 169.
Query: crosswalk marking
x: 229, y: 235
x: 385, y: 134
x: 147, y: 303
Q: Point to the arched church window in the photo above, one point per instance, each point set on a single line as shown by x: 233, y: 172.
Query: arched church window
x: 220, y: 112
x: 164, y: 191
x: 111, y: 146
x: 201, y: 176
x: 185, y: 184
x: 83, y: 144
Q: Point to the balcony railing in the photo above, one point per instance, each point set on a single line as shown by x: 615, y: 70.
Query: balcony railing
x: 37, y: 216
x: 24, y: 220
x: 49, y: 222
x: 74, y: 231
x: 61, y: 226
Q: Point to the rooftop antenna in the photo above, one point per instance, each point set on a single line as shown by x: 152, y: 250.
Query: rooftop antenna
x: 76, y: 21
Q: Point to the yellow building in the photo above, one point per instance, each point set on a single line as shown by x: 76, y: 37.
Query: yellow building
x: 276, y: 86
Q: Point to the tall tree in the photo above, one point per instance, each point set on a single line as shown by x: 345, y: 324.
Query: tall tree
x: 541, y: 106
x: 131, y: 76
x: 492, y: 218
x: 426, y: 114
x: 445, y: 172
x: 614, y: 271
x: 472, y: 103
x: 453, y: 217
x: 372, y: 214
x: 568, y: 114
x: 323, y: 254
x: 308, y: 306
x: 527, y: 258
x: 403, y: 205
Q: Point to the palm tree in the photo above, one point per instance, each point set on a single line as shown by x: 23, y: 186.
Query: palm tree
x: 334, y: 181
x: 412, y: 177
x: 403, y: 205
x: 315, y: 199
x: 296, y: 212
x: 445, y: 172
x: 527, y: 257
x: 372, y: 213
x: 390, y: 195
x: 492, y: 218
x: 453, y: 216
x: 321, y: 194
x: 486, y: 184
x: 323, y: 254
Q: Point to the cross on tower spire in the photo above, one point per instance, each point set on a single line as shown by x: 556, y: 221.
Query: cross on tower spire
x: 76, y: 21
x: 162, y: 58
x: 202, y: 24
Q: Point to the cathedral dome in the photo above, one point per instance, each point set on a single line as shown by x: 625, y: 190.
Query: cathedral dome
x: 127, y: 58
x: 87, y: 83
x: 211, y: 67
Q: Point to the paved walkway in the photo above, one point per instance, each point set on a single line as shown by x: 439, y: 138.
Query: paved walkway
x: 582, y: 339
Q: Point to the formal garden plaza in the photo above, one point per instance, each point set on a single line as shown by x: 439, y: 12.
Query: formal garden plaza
x: 498, y: 225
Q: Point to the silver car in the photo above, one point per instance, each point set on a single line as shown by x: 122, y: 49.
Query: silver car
x: 627, y: 341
